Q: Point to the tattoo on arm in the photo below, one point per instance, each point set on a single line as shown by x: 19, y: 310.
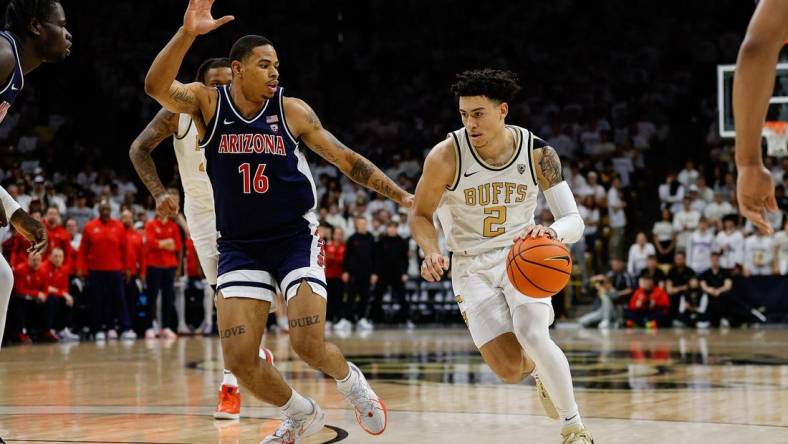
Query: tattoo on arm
x: 549, y: 168
x: 182, y: 95
x: 233, y: 331
x: 362, y: 169
x: 304, y: 322
x: 140, y: 152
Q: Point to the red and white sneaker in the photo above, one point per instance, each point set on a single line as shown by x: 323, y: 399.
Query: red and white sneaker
x: 229, y: 405
x: 295, y: 428
x: 371, y: 412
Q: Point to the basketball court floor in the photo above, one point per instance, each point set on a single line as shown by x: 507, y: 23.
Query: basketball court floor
x: 632, y: 386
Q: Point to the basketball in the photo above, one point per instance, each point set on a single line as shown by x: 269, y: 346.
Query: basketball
x: 539, y: 267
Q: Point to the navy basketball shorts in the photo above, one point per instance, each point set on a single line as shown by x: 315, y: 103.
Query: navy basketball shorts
x: 256, y: 268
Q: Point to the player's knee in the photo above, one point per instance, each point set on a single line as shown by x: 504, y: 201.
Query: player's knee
x: 309, y: 348
x: 238, y: 360
x: 510, y: 374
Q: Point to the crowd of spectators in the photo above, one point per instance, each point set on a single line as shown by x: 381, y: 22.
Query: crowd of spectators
x: 631, y: 111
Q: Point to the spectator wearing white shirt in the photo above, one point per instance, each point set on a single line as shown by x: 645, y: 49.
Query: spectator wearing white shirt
x: 689, y: 174
x: 665, y: 237
x: 758, y: 255
x: 697, y: 204
x: 594, y: 189
x: 671, y: 193
x: 717, y: 209
x: 617, y: 219
x: 639, y: 253
x: 685, y: 222
x: 781, y: 250
x: 700, y: 246
x: 336, y: 219
x: 704, y: 191
x: 730, y: 243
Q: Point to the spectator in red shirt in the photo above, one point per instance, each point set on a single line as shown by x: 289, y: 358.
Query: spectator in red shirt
x: 335, y: 258
x: 60, y: 303
x: 102, y: 257
x: 649, y: 305
x: 58, y: 236
x: 30, y: 293
x: 162, y: 255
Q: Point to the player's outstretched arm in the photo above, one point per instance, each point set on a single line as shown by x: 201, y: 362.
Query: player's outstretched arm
x: 160, y: 82
x: 305, y: 124
x: 568, y: 226
x: 163, y: 125
x: 438, y: 174
x: 753, y: 85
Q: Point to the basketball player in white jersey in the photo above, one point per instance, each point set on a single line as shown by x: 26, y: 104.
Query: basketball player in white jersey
x: 198, y: 202
x: 35, y: 33
x: 781, y: 249
x: 753, y: 86
x: 483, y: 181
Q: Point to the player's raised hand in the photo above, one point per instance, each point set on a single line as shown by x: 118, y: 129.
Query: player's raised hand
x: 32, y: 229
x: 198, y: 19
x: 755, y: 195
x: 433, y: 267
x: 166, y: 205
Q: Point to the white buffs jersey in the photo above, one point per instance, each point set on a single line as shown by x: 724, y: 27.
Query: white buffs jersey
x: 191, y: 163
x: 488, y: 206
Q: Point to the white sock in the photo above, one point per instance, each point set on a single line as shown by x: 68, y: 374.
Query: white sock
x: 229, y: 379
x: 346, y: 384
x: 6, y: 285
x: 531, y: 326
x: 297, y: 405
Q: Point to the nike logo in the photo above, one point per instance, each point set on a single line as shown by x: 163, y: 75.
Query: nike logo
x: 569, y: 419
x: 466, y: 174
x: 14, y: 88
x: 228, y: 123
x: 558, y: 258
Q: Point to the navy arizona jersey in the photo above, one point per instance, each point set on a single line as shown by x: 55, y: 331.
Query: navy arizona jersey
x: 15, y: 82
x: 262, y: 185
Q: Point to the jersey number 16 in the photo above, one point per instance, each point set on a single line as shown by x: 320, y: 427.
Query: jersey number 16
x: 258, y: 183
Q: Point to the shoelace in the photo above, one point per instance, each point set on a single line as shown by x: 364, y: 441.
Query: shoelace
x: 287, y: 429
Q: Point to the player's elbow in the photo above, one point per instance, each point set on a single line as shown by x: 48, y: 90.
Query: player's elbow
x: 759, y: 45
x: 154, y: 89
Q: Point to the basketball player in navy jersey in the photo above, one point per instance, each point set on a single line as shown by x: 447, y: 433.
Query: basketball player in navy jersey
x: 265, y: 214
x: 35, y: 33
x: 198, y: 202
x: 753, y: 86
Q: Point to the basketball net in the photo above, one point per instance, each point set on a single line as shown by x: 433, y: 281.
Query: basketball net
x: 776, y: 134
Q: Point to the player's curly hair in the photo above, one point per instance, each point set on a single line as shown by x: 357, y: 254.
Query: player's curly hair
x: 496, y: 84
x: 218, y: 62
x: 18, y: 14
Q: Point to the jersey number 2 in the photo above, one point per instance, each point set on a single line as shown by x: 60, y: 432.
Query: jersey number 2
x: 258, y: 183
x: 495, y: 216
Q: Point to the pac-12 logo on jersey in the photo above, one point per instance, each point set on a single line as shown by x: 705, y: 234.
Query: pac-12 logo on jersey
x: 252, y: 143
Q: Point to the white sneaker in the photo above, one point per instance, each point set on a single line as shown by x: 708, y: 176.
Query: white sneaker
x: 168, y: 334
x: 702, y: 325
x: 128, y: 335
x: 112, y: 335
x: 364, y: 324
x: 724, y: 323
x: 410, y: 325
x: 150, y: 334
x: 184, y: 330
x: 67, y: 335
x: 604, y: 324
x: 206, y: 329
x: 100, y: 336
x: 295, y: 428
x: 343, y: 325
x: 371, y: 412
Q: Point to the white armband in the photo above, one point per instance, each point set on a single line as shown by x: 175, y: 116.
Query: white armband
x: 8, y: 202
x: 568, y: 224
